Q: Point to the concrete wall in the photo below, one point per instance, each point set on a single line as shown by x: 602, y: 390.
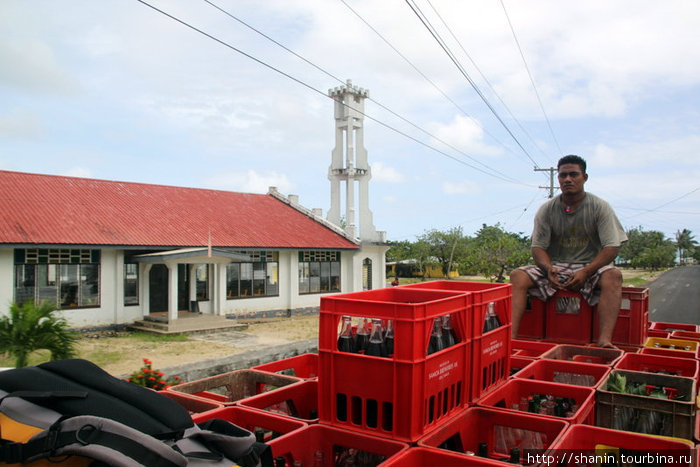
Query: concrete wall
x: 216, y: 366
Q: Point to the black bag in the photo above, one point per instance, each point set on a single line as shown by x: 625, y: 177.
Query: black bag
x: 74, y: 408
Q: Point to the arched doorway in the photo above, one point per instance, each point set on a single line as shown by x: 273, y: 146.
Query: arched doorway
x: 366, y: 274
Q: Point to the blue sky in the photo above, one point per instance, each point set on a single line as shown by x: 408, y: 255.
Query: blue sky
x: 115, y: 90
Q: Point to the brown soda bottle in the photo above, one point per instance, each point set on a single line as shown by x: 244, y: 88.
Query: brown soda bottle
x: 436, y: 343
x: 448, y: 334
x: 389, y: 339
x: 375, y: 347
x: 491, y: 321
x: 362, y: 336
x: 346, y: 341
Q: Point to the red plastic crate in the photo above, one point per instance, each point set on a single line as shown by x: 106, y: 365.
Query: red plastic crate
x: 298, y: 401
x: 518, y: 363
x: 508, y: 398
x: 227, y: 388
x: 193, y: 404
x: 482, y: 293
x: 668, y: 353
x: 490, y: 361
x: 422, y: 457
x: 632, y: 323
x: 685, y: 335
x: 385, y: 397
x: 584, y: 354
x: 568, y: 318
x: 501, y: 430
x: 412, y: 311
x: 582, y: 440
x: 302, y: 446
x: 402, y: 396
x: 533, y: 349
x: 532, y: 324
x: 670, y: 327
x: 303, y: 366
x: 686, y: 367
x: 655, y: 333
x: 564, y: 372
x: 272, y: 425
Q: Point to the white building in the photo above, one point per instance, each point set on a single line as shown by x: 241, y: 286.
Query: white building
x: 109, y: 252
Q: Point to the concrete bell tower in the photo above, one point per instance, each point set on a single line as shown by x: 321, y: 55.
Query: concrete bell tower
x: 349, y: 164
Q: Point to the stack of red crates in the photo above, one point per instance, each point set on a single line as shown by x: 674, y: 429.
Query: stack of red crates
x: 490, y: 350
x: 405, y: 396
x: 397, y: 397
x: 568, y: 318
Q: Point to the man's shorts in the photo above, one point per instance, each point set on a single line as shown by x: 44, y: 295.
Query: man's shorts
x: 543, y: 287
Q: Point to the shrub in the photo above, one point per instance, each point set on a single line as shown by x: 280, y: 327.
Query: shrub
x: 150, y: 378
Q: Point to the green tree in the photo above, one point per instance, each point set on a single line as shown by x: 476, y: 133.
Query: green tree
x: 685, y: 243
x: 637, y: 241
x: 655, y: 251
x: 444, y: 247
x: 33, y: 327
x: 495, y: 252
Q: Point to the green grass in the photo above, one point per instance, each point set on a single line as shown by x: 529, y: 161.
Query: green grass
x: 148, y: 337
x: 99, y: 357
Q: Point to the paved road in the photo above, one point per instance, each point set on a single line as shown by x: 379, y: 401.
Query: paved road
x: 674, y: 297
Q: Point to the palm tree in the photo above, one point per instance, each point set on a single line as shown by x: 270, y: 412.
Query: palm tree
x: 685, y: 242
x: 33, y: 327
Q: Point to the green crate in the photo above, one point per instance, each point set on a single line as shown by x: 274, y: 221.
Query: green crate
x: 629, y: 412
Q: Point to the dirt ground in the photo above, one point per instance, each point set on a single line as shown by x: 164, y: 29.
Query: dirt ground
x: 131, y: 352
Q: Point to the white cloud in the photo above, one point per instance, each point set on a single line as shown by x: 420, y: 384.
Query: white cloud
x: 250, y: 181
x: 463, y: 134
x: 460, y: 188
x: 384, y: 173
x: 82, y: 172
x: 20, y: 124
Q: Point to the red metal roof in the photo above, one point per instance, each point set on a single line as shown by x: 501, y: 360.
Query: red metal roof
x: 49, y: 209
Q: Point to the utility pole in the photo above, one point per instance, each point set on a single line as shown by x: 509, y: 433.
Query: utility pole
x: 551, y: 186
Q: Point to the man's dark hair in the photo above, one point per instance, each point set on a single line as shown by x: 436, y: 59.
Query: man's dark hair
x: 573, y: 159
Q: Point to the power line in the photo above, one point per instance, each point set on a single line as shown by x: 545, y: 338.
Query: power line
x: 416, y: 10
x: 657, y: 208
x: 287, y: 75
x: 486, y: 80
x: 327, y: 73
x: 549, y: 125
x: 423, y: 75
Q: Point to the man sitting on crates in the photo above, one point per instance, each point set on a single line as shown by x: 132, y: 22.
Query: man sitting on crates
x: 575, y: 239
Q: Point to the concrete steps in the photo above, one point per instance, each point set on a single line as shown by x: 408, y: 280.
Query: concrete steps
x: 186, y: 323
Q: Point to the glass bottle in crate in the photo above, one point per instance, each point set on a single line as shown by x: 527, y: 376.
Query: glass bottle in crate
x: 346, y: 341
x: 389, y: 339
x: 491, y: 321
x: 362, y: 336
x: 375, y: 347
x: 448, y: 333
x: 436, y: 343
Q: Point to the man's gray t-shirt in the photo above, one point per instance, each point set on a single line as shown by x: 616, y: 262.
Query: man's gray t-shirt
x: 578, y: 236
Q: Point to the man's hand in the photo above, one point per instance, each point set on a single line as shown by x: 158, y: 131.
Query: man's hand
x: 553, y: 276
x: 576, y: 280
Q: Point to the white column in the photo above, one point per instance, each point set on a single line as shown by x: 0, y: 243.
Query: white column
x: 172, y: 292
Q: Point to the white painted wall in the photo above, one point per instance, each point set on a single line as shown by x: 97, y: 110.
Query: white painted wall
x: 7, y: 277
x: 113, y: 311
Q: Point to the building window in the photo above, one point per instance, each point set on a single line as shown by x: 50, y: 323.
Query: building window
x: 69, y: 278
x: 366, y: 274
x: 131, y: 284
x: 319, y: 272
x: 202, y: 278
x: 258, y: 278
